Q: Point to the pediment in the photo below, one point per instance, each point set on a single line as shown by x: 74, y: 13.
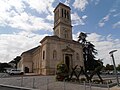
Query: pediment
x: 68, y: 49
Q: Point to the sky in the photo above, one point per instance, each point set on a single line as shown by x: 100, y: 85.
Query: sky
x: 23, y: 23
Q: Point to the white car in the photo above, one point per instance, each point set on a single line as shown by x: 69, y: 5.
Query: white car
x: 14, y: 72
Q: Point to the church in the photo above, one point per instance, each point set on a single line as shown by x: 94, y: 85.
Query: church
x: 54, y: 49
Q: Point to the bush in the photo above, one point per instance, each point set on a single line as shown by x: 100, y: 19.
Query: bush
x: 61, y: 72
x: 109, y: 81
x: 96, y: 81
x: 82, y: 79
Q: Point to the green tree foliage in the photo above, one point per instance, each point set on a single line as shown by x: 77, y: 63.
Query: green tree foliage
x: 3, y: 66
x: 61, y: 72
x: 89, y: 56
x: 16, y: 61
x: 118, y: 67
x: 109, y: 67
x: 89, y: 53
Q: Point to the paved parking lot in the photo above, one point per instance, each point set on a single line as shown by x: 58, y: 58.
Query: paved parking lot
x: 48, y: 82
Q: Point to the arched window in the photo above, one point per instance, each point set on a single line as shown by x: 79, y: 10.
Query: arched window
x: 43, y: 55
x: 55, y: 17
x: 58, y: 14
x: 68, y: 15
x: 77, y: 56
x: 66, y: 33
x: 54, y: 54
x: 62, y: 12
x: 65, y: 14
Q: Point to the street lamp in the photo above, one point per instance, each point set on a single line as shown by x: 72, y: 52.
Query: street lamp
x: 111, y: 53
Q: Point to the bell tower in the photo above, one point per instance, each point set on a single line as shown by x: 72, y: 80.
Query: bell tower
x: 62, y: 22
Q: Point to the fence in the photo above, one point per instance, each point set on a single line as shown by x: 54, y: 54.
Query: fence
x: 47, y: 83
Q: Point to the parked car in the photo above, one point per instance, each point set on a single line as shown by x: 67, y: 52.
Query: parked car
x: 118, y: 72
x: 111, y: 72
x: 14, y: 72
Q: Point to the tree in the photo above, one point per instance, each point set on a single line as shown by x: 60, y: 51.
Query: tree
x: 3, y: 66
x: 109, y: 67
x: 16, y: 61
x: 118, y: 67
x: 89, y: 53
x: 82, y: 37
x: 62, y: 72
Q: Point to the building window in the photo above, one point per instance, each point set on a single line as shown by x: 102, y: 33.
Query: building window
x: 65, y: 13
x: 62, y: 12
x: 54, y: 54
x: 68, y: 17
x: 58, y: 13
x: 43, y: 55
x: 77, y: 56
x: 66, y: 34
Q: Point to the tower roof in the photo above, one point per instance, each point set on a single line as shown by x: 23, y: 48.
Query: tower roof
x: 61, y: 4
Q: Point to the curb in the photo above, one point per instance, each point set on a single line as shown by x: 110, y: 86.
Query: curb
x: 17, y: 87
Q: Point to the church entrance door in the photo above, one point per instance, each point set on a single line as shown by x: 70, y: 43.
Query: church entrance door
x: 67, y: 62
x: 68, y: 59
x: 26, y: 70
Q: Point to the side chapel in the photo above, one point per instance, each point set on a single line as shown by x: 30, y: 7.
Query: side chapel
x: 54, y: 49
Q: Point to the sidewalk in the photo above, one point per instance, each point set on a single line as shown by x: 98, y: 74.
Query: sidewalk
x: 115, y: 88
x: 45, y: 83
x: 17, y: 87
x: 70, y: 87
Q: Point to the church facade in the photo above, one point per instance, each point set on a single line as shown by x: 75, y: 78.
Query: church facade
x: 54, y: 49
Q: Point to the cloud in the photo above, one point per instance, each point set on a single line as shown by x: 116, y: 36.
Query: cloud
x: 97, y: 2
x: 50, y: 17
x: 80, y: 4
x: 12, y: 45
x: 101, y: 24
x: 104, y: 20
x: 116, y: 15
x: 77, y: 20
x: 104, y: 44
x: 112, y: 13
x: 7, y: 5
x: 41, y: 6
x: 13, y: 13
x: 67, y: 2
x: 29, y: 22
x: 116, y: 25
x: 84, y: 17
x: 26, y: 22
